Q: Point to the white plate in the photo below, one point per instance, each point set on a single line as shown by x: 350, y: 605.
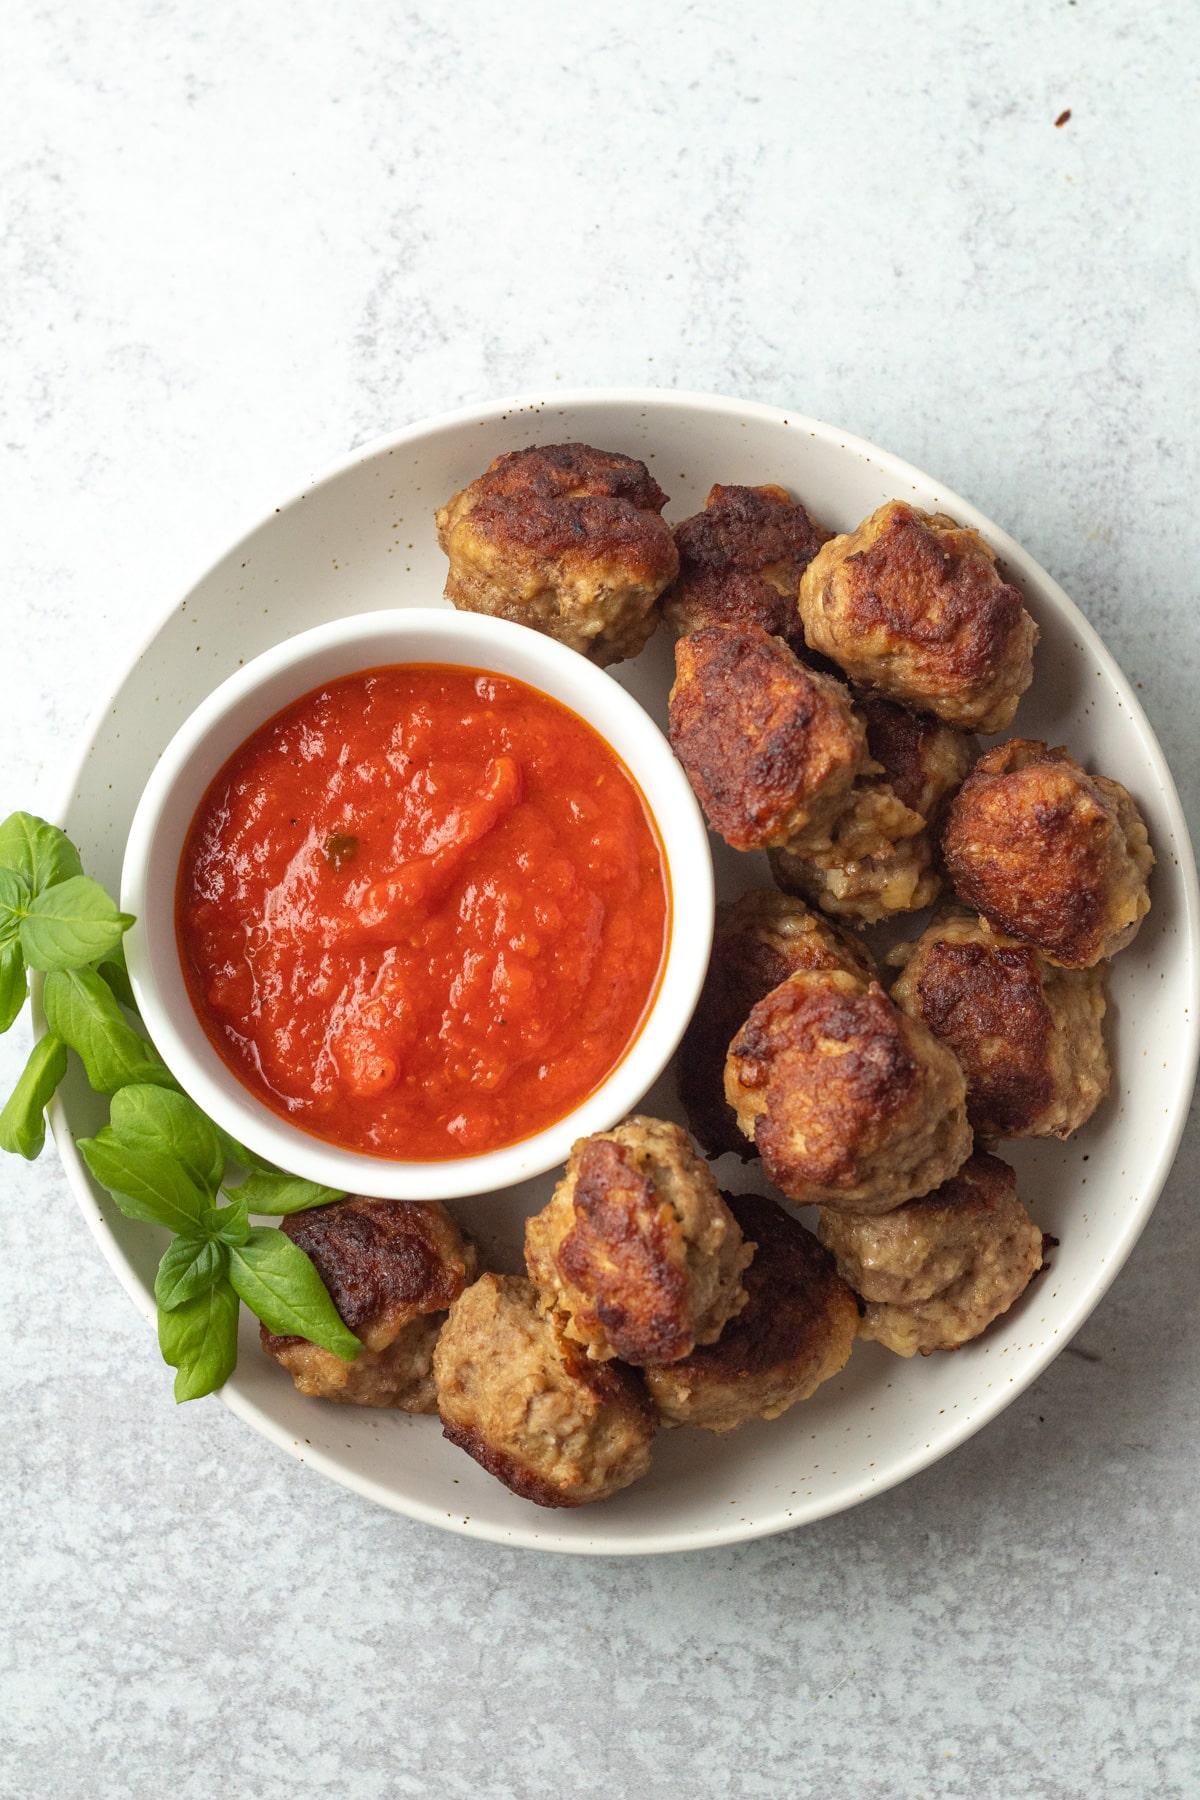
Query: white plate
x: 362, y: 537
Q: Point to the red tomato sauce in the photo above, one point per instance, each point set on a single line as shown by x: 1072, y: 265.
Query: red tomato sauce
x: 422, y: 912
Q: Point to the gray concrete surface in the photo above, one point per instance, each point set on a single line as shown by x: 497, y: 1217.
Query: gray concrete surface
x: 235, y: 242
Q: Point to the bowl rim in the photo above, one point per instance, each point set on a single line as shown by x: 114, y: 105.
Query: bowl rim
x: 465, y: 640
x: 775, y: 1520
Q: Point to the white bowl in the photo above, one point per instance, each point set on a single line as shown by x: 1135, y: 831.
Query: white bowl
x: 362, y: 536
x: 222, y: 723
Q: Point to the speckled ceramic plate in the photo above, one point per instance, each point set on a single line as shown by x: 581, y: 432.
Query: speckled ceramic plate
x: 362, y: 537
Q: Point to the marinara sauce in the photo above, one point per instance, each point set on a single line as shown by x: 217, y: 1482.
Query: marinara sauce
x: 423, y: 911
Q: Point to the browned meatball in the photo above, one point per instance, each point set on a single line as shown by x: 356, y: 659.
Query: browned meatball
x: 880, y: 859
x: 564, y: 538
x: 935, y: 1273
x: 636, y: 1248
x: 795, y: 1331
x: 516, y: 1394
x: 1029, y: 1035
x: 770, y: 747
x: 399, y: 1377
x: 849, y: 1102
x: 1049, y: 854
x: 925, y: 761
x: 759, y: 941
x: 740, y: 563
x: 878, y: 862
x: 392, y: 1268
x: 911, y: 604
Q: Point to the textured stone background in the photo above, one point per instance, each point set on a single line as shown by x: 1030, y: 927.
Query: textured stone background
x: 235, y: 242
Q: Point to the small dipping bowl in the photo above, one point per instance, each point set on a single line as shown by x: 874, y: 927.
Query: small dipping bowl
x: 221, y: 725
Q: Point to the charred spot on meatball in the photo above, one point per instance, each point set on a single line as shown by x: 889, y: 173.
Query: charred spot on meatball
x: 849, y: 1102
x: 392, y: 1268
x: 758, y: 941
x: 567, y: 539
x: 770, y: 747
x: 1049, y: 854
x: 636, y: 1248
x: 936, y: 1272
x: 520, y: 1397
x: 740, y: 563
x: 796, y: 1330
x: 1028, y: 1035
x: 911, y: 604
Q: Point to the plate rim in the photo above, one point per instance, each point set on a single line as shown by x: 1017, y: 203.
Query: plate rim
x: 537, y: 402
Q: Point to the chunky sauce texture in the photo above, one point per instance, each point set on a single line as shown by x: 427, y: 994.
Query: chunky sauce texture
x: 422, y: 912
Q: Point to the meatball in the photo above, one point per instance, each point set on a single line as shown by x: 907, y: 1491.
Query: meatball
x: 759, y: 940
x: 925, y: 761
x: 564, y: 538
x: 392, y: 1267
x: 637, y: 1248
x: 795, y: 1331
x: 911, y: 604
x: 770, y: 747
x: 935, y: 1273
x: 516, y: 1394
x: 1048, y: 854
x: 880, y: 859
x: 849, y: 1102
x: 1028, y: 1035
x: 878, y: 862
x: 399, y: 1376
x: 740, y: 563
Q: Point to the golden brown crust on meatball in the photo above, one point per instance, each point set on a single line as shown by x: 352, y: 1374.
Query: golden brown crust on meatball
x: 935, y: 1273
x: 1049, y: 854
x: 636, y: 1249
x: 924, y: 761
x: 516, y: 1394
x: 740, y: 563
x: 1028, y: 1035
x: 567, y: 539
x: 910, y: 604
x: 771, y: 748
x: 795, y: 1331
x: 848, y: 1102
x: 879, y: 860
x: 392, y: 1267
x: 759, y: 940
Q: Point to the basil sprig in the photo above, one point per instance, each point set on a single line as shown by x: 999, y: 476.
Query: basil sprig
x: 163, y: 1162
x: 161, y: 1158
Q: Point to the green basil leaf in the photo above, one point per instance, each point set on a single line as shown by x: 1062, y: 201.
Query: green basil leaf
x: 80, y: 1009
x: 14, y: 986
x: 71, y: 924
x: 190, y: 1266
x: 23, y: 1121
x: 15, y: 898
x: 155, y: 1118
x: 145, y: 1184
x: 229, y: 1223
x: 274, y: 1195
x: 245, y: 1159
x: 40, y: 853
x: 116, y: 974
x: 199, y: 1338
x: 277, y: 1281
